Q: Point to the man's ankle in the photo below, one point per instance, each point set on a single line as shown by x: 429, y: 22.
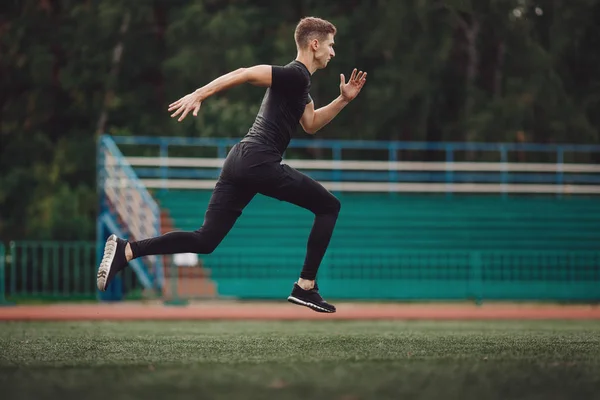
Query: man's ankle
x: 306, y: 284
x: 128, y: 252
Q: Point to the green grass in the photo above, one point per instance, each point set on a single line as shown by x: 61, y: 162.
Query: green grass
x: 297, y: 360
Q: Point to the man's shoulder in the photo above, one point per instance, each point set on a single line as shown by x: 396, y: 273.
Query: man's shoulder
x: 290, y: 78
x: 297, y: 67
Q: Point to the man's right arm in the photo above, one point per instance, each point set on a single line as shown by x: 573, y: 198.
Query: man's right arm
x: 258, y: 75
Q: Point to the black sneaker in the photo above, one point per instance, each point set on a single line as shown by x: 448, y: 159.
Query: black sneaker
x: 311, y: 299
x: 112, y: 262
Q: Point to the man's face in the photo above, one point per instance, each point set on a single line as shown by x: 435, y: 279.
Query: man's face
x: 324, y: 52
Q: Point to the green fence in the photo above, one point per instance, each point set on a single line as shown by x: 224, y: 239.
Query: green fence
x: 416, y: 275
x: 66, y: 271
x: 410, y: 247
x: 2, y: 274
x: 50, y: 270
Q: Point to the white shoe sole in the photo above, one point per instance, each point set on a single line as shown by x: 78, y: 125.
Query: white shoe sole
x: 296, y: 300
x: 110, y: 249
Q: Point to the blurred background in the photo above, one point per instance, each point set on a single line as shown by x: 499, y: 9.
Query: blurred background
x: 467, y: 167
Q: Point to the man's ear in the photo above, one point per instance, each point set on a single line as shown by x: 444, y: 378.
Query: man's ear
x: 314, y: 44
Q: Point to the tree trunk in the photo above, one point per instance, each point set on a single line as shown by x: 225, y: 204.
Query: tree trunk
x: 160, y: 24
x: 471, y: 32
x: 112, y: 78
x: 498, y: 76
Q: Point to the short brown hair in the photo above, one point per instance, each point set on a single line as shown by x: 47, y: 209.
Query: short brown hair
x: 312, y: 28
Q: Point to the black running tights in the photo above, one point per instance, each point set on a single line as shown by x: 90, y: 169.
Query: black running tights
x: 250, y: 169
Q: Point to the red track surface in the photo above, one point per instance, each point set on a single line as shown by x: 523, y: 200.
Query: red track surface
x: 286, y: 311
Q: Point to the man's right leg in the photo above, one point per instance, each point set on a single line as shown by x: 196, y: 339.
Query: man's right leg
x: 292, y: 186
x: 225, y: 206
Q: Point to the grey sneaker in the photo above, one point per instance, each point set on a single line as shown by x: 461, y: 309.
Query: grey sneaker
x: 113, y: 261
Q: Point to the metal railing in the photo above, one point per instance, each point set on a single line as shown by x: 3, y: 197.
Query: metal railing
x: 3, y: 300
x: 47, y: 270
x: 385, y: 166
x: 127, y: 208
x: 414, y: 274
x: 53, y: 270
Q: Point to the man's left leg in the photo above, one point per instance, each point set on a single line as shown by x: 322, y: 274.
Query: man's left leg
x: 294, y: 187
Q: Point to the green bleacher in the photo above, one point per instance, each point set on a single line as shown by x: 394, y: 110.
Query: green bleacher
x: 395, y: 246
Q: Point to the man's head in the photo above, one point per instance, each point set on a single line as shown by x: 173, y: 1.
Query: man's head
x: 315, y: 35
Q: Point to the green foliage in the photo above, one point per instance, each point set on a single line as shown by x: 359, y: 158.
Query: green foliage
x: 438, y: 70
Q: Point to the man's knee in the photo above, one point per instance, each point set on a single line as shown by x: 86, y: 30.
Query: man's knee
x: 337, y: 205
x: 217, y: 224
x: 208, y: 249
x: 206, y: 241
x: 331, y: 206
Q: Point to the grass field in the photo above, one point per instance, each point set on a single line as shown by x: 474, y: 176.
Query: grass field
x: 297, y: 360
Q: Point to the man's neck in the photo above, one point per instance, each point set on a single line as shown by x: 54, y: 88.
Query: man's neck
x: 308, y: 60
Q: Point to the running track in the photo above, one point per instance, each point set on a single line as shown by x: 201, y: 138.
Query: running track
x: 285, y: 311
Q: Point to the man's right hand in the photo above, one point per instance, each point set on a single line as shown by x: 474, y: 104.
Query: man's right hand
x: 259, y: 75
x: 183, y: 106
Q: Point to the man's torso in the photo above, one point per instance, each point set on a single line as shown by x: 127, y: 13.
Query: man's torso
x: 282, y: 107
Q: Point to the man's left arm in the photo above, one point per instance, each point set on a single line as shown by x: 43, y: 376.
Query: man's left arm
x: 313, y: 120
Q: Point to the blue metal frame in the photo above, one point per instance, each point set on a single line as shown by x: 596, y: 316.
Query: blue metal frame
x: 392, y: 147
x: 362, y: 144
x: 392, y: 176
x: 106, y: 224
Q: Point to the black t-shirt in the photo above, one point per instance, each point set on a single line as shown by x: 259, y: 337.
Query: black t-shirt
x: 282, y: 107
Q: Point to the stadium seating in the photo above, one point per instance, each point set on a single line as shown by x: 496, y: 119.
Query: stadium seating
x: 400, y: 246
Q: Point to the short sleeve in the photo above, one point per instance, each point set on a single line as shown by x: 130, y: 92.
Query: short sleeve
x: 308, y: 99
x: 287, y: 80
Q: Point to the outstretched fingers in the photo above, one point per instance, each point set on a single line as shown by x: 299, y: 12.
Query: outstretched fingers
x: 185, y: 113
x: 361, y: 76
x: 174, y: 105
x: 353, y: 75
x: 196, y: 109
x: 179, y: 111
x: 359, y: 80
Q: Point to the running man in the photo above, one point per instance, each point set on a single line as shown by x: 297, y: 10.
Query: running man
x: 254, y: 164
